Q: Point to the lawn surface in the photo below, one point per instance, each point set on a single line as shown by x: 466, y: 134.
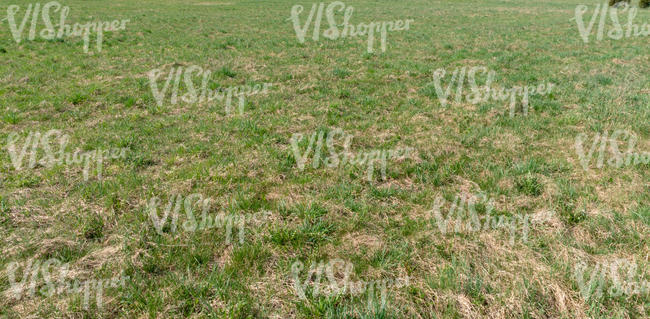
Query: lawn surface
x: 244, y: 162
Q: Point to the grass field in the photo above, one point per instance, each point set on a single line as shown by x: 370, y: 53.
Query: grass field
x: 384, y: 228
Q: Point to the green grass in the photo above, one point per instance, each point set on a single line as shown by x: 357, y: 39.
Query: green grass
x: 245, y: 163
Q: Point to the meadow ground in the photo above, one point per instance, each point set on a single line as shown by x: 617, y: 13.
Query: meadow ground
x: 581, y: 220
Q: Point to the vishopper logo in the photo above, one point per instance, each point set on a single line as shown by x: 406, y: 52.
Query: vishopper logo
x: 55, y: 282
x: 617, y: 159
x: 338, y: 139
x: 338, y: 274
x: 462, y: 216
x: 60, y: 157
x: 481, y: 94
x: 617, y: 31
x: 190, y: 223
x: 64, y: 30
x: 205, y: 94
x: 615, y: 278
x: 348, y: 30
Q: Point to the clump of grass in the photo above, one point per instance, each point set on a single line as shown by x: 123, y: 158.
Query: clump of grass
x: 529, y: 185
x: 128, y: 101
x: 226, y: 71
x: 78, y: 98
x: 248, y: 259
x: 341, y: 73
x: 10, y: 117
x: 285, y: 236
x: 603, y: 79
x: 613, y: 2
x: 566, y: 202
x: 94, y: 228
